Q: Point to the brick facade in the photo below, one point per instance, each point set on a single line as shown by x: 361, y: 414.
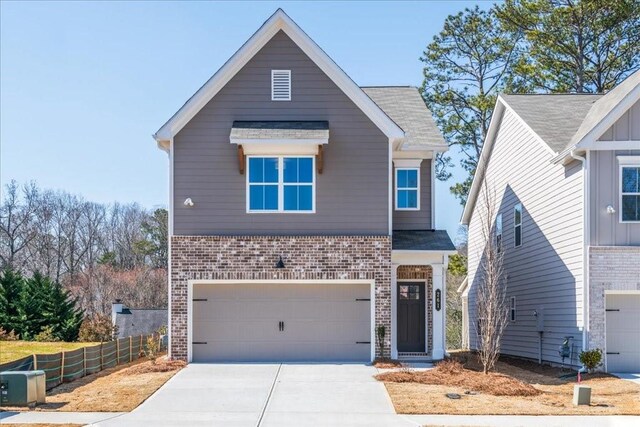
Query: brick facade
x: 610, y: 268
x: 421, y: 273
x: 254, y: 258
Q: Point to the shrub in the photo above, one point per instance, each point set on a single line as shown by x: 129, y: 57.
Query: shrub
x: 591, y: 359
x: 8, y: 336
x: 152, y: 347
x: 97, y: 329
x: 46, y: 335
x: 381, y: 332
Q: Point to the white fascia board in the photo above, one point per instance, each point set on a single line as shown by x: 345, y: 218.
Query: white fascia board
x: 463, y: 285
x: 409, y: 257
x: 485, y: 154
x: 265, y: 141
x: 413, y: 155
x: 279, y: 21
x: 407, y: 163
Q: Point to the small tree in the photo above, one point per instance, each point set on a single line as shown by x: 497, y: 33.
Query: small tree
x: 491, y: 301
x: 98, y: 328
x: 381, y: 332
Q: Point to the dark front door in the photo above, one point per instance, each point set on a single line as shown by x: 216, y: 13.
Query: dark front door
x: 411, y: 317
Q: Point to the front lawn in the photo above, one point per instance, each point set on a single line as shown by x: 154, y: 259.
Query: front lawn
x: 517, y: 387
x: 13, y: 350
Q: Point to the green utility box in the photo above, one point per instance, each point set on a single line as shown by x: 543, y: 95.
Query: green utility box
x: 41, y: 386
x: 18, y: 388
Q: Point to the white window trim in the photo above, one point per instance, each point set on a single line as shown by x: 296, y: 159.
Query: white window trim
x: 517, y: 207
x: 281, y: 185
x: 499, y: 233
x: 626, y: 162
x: 512, y: 310
x: 273, y: 72
x: 395, y: 184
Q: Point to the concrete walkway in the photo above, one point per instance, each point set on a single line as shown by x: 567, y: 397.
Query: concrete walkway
x: 41, y: 417
x: 634, y: 378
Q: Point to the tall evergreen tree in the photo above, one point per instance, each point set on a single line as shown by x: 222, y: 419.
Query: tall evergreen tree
x: 11, y: 288
x: 62, y: 315
x: 35, y: 300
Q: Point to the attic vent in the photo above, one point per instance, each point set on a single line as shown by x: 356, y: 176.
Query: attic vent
x: 281, y: 85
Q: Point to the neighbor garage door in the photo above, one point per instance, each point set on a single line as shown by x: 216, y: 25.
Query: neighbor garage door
x: 281, y: 322
x: 623, y: 332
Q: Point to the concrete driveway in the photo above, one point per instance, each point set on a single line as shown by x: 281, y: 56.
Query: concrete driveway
x: 268, y: 395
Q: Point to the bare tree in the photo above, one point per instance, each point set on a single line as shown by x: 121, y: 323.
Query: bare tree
x: 491, y: 301
x: 17, y: 223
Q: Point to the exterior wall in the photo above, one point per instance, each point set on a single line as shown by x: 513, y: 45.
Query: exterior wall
x: 416, y: 220
x: 606, y: 228
x: 421, y: 273
x: 351, y: 193
x: 545, y: 273
x: 610, y: 269
x: 627, y: 128
x: 254, y: 257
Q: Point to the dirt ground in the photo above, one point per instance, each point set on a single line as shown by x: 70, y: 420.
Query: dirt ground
x: 119, y: 389
x: 609, y: 395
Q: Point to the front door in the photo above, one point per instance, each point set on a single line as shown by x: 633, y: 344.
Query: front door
x: 411, y: 317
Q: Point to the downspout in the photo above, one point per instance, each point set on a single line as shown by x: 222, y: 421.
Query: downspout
x: 586, y: 225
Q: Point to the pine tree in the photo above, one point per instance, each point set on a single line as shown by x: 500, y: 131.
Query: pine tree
x: 35, y: 300
x: 11, y: 288
x: 62, y: 315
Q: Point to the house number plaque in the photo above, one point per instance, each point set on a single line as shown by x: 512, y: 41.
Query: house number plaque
x: 438, y: 299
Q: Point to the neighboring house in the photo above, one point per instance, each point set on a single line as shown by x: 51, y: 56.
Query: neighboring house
x: 564, y: 173
x: 137, y: 321
x: 301, y: 212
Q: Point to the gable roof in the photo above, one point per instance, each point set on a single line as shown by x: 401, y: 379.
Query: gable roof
x: 405, y: 106
x: 564, y: 122
x: 555, y: 118
x: 279, y: 21
x: 134, y: 322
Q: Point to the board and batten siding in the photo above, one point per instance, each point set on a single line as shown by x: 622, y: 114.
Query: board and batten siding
x: 352, y: 191
x: 626, y: 128
x: 545, y: 272
x: 420, y: 219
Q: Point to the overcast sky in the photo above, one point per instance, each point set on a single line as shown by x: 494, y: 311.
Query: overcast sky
x: 83, y: 86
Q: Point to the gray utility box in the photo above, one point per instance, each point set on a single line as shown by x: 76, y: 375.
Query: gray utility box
x: 19, y: 388
x: 41, y: 386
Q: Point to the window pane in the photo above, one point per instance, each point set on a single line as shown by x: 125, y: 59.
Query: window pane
x: 256, y: 170
x: 291, y: 198
x: 499, y: 224
x: 402, y: 179
x: 270, y: 169
x: 305, y: 170
x: 412, y: 178
x: 518, y: 236
x: 402, y: 198
x: 256, y: 197
x: 412, y: 198
x: 271, y: 197
x: 290, y: 169
x: 631, y: 208
x: 305, y: 198
x: 518, y: 214
x: 404, y: 292
x: 631, y: 180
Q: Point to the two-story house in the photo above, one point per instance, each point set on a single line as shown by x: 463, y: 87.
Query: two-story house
x: 302, y: 212
x: 563, y: 172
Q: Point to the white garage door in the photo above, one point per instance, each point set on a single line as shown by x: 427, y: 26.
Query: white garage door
x: 281, y: 322
x: 623, y: 332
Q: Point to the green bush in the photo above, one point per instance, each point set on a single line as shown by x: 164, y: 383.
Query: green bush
x: 591, y: 359
x: 46, y: 335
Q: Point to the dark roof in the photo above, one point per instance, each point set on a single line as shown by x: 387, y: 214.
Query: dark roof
x: 554, y: 117
x: 405, y: 106
x: 422, y: 240
x: 133, y: 322
x: 280, y: 130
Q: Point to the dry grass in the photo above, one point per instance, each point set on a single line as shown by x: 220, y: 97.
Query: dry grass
x: 553, y: 396
x: 386, y: 363
x: 13, y: 350
x: 119, y: 389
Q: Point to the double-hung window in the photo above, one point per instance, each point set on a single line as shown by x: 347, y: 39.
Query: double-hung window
x: 499, y: 233
x: 517, y: 225
x: 280, y: 184
x: 407, y: 189
x: 512, y: 309
x: 630, y: 193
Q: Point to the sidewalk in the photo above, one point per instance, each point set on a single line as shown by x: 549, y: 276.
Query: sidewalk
x: 41, y: 417
x: 524, y: 420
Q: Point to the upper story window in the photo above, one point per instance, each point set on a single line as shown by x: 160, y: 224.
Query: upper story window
x: 281, y: 85
x: 407, y: 189
x: 517, y: 225
x: 280, y: 184
x: 499, y: 233
x: 512, y: 309
x: 630, y: 193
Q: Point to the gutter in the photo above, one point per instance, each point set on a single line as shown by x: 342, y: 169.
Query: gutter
x: 586, y: 225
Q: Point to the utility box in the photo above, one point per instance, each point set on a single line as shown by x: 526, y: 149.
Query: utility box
x: 41, y: 386
x: 581, y: 395
x: 18, y: 388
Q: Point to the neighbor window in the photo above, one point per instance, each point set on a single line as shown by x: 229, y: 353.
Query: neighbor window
x: 280, y: 184
x: 407, y: 189
x: 517, y: 225
x: 281, y: 85
x: 512, y: 309
x: 499, y: 233
x: 630, y: 193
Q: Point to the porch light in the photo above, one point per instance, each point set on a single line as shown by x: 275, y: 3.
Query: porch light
x: 188, y: 202
x: 611, y: 210
x: 280, y: 263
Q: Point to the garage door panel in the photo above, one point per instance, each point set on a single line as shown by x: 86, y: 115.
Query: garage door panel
x: 321, y: 322
x: 623, y: 332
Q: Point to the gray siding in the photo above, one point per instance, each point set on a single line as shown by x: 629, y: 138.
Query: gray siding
x: 545, y: 273
x: 416, y: 220
x: 627, y: 128
x: 352, y: 191
x: 606, y: 229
